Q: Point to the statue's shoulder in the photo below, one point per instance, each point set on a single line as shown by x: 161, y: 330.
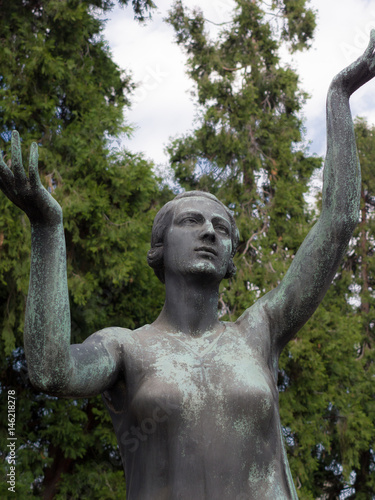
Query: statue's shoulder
x: 125, y: 335
x: 118, y: 337
x: 255, y: 316
x: 147, y: 334
x: 113, y: 335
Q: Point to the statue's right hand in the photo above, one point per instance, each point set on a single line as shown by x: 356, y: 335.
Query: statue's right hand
x: 28, y: 193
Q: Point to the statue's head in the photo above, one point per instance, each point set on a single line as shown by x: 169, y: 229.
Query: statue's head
x: 191, y: 201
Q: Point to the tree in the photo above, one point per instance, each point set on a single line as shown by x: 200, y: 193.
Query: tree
x: 60, y: 87
x: 246, y: 149
x: 337, y: 403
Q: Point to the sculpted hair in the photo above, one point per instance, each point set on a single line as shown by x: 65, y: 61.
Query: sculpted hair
x: 164, y: 219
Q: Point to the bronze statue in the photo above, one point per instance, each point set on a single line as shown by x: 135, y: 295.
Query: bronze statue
x: 193, y: 400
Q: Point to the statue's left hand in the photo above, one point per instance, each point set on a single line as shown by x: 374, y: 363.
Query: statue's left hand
x: 369, y: 54
x: 28, y: 193
x: 360, y: 71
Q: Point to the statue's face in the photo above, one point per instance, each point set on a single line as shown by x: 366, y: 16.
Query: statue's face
x: 198, y: 240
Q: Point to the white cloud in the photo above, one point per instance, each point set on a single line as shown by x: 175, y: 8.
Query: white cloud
x: 342, y: 35
x: 163, y: 107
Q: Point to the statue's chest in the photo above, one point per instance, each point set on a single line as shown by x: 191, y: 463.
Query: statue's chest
x: 225, y: 375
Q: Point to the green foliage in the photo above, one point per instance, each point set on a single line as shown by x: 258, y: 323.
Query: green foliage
x: 246, y: 149
x: 299, y: 22
x: 60, y: 87
x: 328, y: 397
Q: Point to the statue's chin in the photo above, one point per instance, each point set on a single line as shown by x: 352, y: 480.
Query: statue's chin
x: 206, y: 268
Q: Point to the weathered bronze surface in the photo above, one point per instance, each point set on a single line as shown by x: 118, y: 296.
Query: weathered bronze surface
x: 193, y: 400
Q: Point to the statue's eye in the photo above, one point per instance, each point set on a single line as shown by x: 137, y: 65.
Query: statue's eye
x: 222, y: 229
x: 189, y: 220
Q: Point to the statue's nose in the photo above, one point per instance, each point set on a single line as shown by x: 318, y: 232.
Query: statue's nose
x: 208, y: 231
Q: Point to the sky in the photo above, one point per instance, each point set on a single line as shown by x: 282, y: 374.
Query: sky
x: 162, y: 106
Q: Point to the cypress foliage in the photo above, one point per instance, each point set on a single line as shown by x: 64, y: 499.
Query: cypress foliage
x: 328, y: 405
x: 246, y: 149
x: 60, y: 88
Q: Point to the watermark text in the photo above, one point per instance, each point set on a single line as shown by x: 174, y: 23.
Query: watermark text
x: 12, y: 441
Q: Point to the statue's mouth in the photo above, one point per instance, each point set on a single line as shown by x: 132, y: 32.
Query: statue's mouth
x: 206, y: 249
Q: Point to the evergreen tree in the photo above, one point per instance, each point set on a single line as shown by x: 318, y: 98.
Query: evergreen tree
x: 60, y: 88
x: 329, y: 370
x: 246, y: 150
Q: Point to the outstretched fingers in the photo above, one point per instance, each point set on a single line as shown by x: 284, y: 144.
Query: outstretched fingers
x: 33, y: 166
x: 371, y: 45
x: 372, y: 39
x: 371, y: 52
x: 17, y: 167
x: 6, y: 177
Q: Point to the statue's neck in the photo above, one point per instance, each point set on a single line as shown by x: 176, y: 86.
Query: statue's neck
x: 190, y: 305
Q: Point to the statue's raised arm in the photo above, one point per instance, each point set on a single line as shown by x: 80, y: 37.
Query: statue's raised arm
x: 54, y: 365
x: 290, y: 304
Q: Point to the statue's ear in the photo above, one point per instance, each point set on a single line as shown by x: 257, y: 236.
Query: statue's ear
x: 231, y: 271
x: 156, y: 261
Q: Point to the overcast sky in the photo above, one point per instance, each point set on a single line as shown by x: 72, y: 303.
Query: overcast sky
x: 162, y: 106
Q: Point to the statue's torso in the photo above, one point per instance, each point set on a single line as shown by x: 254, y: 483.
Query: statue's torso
x: 198, y: 417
